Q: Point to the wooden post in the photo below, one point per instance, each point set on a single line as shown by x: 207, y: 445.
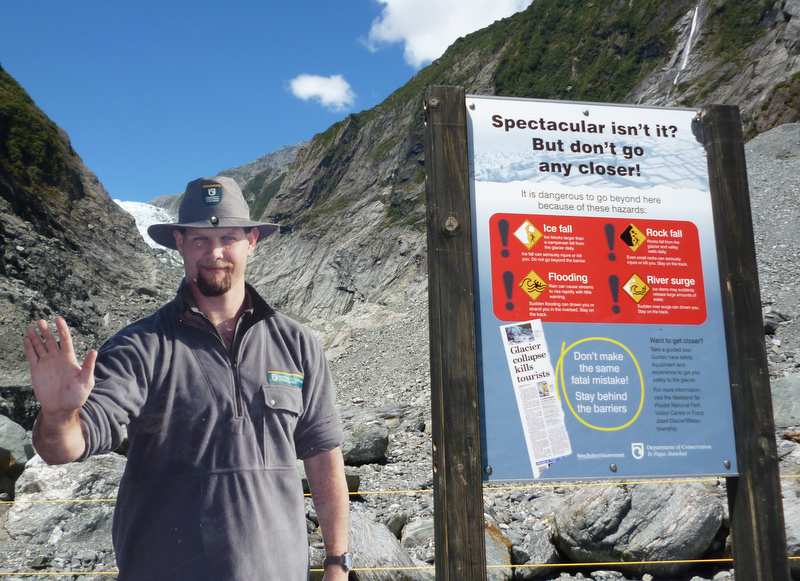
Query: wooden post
x: 457, y: 485
x: 754, y: 498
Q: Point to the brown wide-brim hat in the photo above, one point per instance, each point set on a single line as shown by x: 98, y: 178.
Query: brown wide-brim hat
x: 210, y: 203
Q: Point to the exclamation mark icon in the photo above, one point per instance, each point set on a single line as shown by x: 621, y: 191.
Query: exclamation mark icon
x: 613, y: 283
x: 508, y: 283
x: 610, y: 240
x: 502, y: 225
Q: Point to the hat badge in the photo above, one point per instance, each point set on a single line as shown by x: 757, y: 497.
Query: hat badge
x: 212, y: 194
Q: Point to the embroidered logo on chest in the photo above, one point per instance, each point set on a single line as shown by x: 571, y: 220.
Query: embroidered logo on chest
x: 285, y: 378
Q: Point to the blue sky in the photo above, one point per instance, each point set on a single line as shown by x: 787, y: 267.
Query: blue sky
x: 154, y: 94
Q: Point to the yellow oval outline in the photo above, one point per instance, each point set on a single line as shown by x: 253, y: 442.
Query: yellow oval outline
x: 560, y: 375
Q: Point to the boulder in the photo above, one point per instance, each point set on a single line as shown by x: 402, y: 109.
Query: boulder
x: 19, y: 403
x: 374, y: 547
x: 15, y: 446
x: 367, y: 431
x: 772, y: 320
x: 639, y: 523
x: 498, y: 555
x: 536, y: 547
x: 365, y: 444
x: 48, y: 507
x: 418, y: 539
x: 396, y: 521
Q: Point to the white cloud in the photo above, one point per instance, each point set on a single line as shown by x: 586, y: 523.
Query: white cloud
x: 332, y: 92
x: 428, y: 28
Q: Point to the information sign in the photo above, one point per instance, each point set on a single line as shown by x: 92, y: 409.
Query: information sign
x: 601, y: 335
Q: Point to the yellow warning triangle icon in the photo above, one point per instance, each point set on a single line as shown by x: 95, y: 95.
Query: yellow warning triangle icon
x: 636, y: 288
x: 533, y: 285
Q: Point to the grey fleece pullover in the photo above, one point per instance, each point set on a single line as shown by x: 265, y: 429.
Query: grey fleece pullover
x: 210, y: 489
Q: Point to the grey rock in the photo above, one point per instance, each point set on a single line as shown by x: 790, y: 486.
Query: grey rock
x: 772, y: 320
x: 19, y: 403
x: 15, y: 446
x: 374, y: 546
x: 147, y: 291
x: 536, y: 547
x: 418, y: 538
x: 498, y: 555
x: 392, y: 411
x: 645, y: 522
x: 365, y: 444
x: 396, y: 522
x: 785, y: 403
x: 43, y: 513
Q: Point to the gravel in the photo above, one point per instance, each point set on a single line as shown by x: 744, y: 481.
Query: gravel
x: 773, y: 168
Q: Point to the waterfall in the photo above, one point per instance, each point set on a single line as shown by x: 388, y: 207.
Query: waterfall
x: 687, y: 48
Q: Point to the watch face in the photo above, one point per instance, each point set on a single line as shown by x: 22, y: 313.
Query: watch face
x: 347, y: 561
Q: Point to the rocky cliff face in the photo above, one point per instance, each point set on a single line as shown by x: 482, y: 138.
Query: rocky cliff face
x: 739, y: 53
x: 264, y: 176
x: 352, y: 200
x: 66, y: 247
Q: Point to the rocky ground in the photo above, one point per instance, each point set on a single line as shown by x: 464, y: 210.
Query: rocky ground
x: 773, y: 161
x: 380, y: 363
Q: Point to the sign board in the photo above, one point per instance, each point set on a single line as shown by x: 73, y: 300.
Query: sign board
x: 601, y: 339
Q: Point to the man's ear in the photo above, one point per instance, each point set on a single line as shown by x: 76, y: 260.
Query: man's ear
x: 252, y: 238
x: 178, y: 235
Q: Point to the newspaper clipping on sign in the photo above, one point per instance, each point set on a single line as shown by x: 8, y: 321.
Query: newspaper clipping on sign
x: 538, y: 401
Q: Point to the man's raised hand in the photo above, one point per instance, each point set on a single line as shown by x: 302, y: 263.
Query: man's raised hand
x: 61, y: 384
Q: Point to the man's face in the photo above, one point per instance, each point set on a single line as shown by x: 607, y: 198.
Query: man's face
x: 214, y: 259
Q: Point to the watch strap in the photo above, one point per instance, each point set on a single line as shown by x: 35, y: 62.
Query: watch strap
x: 345, y: 561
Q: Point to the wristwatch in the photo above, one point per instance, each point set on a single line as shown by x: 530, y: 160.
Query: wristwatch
x: 345, y: 560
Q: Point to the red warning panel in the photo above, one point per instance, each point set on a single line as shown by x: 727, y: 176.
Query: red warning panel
x: 600, y: 270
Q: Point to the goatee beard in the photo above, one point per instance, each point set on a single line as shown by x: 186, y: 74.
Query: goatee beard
x: 215, y: 287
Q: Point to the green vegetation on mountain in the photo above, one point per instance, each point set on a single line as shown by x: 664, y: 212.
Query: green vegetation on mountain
x: 31, y: 150
x: 561, y: 49
x: 736, y: 25
x: 588, y: 51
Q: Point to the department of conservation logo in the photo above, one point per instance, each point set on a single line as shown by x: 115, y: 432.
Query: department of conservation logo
x: 212, y: 194
x: 287, y: 378
x: 637, y: 450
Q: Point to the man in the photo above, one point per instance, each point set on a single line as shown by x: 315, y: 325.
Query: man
x: 219, y: 395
